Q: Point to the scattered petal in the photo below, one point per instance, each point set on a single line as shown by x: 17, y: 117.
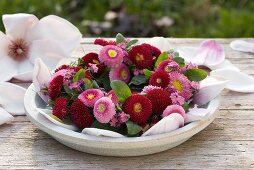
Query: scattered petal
x: 101, y: 132
x: 47, y: 113
x: 195, y: 114
x: 225, y: 64
x: 188, y: 53
x: 160, y: 42
x: 238, y: 81
x: 5, y: 117
x: 165, y: 125
x: 244, y: 46
x: 11, y: 98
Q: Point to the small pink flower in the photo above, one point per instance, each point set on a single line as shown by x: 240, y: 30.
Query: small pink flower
x: 76, y: 85
x: 174, y: 109
x: 93, y: 67
x: 195, y: 85
x: 177, y: 99
x: 120, y: 73
x: 111, y: 55
x: 112, y: 95
x: 119, y: 119
x: 104, y: 110
x: 189, y: 66
x: 168, y: 66
x: 138, y: 72
x: 90, y: 96
x: 148, y: 88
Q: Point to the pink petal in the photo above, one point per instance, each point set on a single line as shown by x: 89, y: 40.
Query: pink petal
x: 19, y: 25
x: 46, y: 113
x: 243, y: 46
x: 238, y: 81
x: 195, y: 114
x: 11, y: 98
x: 5, y: 117
x: 165, y: 125
x: 209, y: 90
x: 101, y: 132
x: 159, y: 42
x: 41, y: 77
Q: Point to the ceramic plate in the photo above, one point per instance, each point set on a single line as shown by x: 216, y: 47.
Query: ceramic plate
x: 115, y: 146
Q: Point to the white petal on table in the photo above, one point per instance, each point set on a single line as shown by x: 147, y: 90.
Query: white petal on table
x: 241, y: 45
x: 41, y: 77
x: 165, y: 125
x: 58, y: 29
x: 19, y: 25
x: 47, y: 112
x: 195, y: 114
x: 225, y: 64
x: 11, y: 98
x: 5, y: 117
x: 159, y: 42
x: 238, y: 81
x: 101, y: 132
x: 209, y: 89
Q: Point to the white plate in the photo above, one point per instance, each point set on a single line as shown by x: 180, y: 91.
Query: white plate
x: 115, y: 146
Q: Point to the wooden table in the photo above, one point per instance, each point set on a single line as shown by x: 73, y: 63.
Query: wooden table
x: 227, y: 143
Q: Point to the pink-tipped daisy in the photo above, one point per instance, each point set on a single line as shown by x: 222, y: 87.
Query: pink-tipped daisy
x: 90, y: 96
x: 174, y: 109
x: 112, y: 95
x: 168, y: 66
x: 120, y: 73
x: 177, y: 99
x: 104, y: 110
x: 111, y: 55
x: 179, y: 83
x: 148, y: 88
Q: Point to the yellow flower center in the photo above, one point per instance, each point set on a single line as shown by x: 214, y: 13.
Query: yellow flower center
x: 90, y: 96
x: 137, y: 107
x: 139, y: 57
x: 96, y: 61
x: 112, y: 53
x: 123, y: 74
x: 178, y: 85
x: 101, y: 107
x: 158, y: 80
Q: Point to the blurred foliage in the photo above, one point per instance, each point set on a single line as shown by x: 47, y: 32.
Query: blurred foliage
x: 143, y: 18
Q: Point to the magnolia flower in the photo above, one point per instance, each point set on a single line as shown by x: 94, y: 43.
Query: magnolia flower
x: 27, y: 38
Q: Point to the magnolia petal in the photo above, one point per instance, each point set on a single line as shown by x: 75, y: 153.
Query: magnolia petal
x: 41, y: 77
x: 101, y: 132
x: 25, y: 70
x: 195, y: 114
x: 5, y: 117
x: 209, y: 89
x: 19, y: 25
x: 189, y: 53
x: 11, y: 98
x: 50, y: 51
x: 165, y: 125
x: 244, y: 46
x: 238, y: 81
x: 58, y: 29
x: 47, y: 113
x: 225, y: 64
x: 160, y: 42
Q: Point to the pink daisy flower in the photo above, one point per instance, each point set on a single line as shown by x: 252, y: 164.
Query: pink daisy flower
x: 174, y: 109
x: 111, y: 55
x: 195, y: 85
x: 168, y: 66
x: 90, y: 96
x: 104, y: 110
x: 77, y: 85
x: 177, y: 99
x: 112, y: 95
x: 93, y: 67
x: 148, y: 88
x: 138, y: 72
x: 120, y: 73
x: 119, y: 119
x: 179, y: 83
x: 189, y: 66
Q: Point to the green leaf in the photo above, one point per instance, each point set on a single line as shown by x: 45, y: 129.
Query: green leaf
x: 121, y: 89
x: 147, y: 72
x: 79, y: 75
x: 119, y: 38
x: 95, y: 85
x: 179, y: 60
x: 138, y: 80
x: 195, y: 74
x: 133, y: 128
x: 88, y: 84
x: 131, y: 43
x: 163, y: 56
x: 186, y: 107
x: 68, y: 90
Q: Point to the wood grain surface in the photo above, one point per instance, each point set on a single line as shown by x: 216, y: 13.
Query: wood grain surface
x: 228, y: 143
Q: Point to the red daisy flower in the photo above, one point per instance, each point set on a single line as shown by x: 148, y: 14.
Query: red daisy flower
x: 160, y: 99
x: 103, y: 42
x: 160, y: 79
x: 80, y: 114
x: 141, y: 57
x: 138, y: 107
x: 93, y: 59
x: 60, y: 108
x: 55, y: 86
x: 154, y: 50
